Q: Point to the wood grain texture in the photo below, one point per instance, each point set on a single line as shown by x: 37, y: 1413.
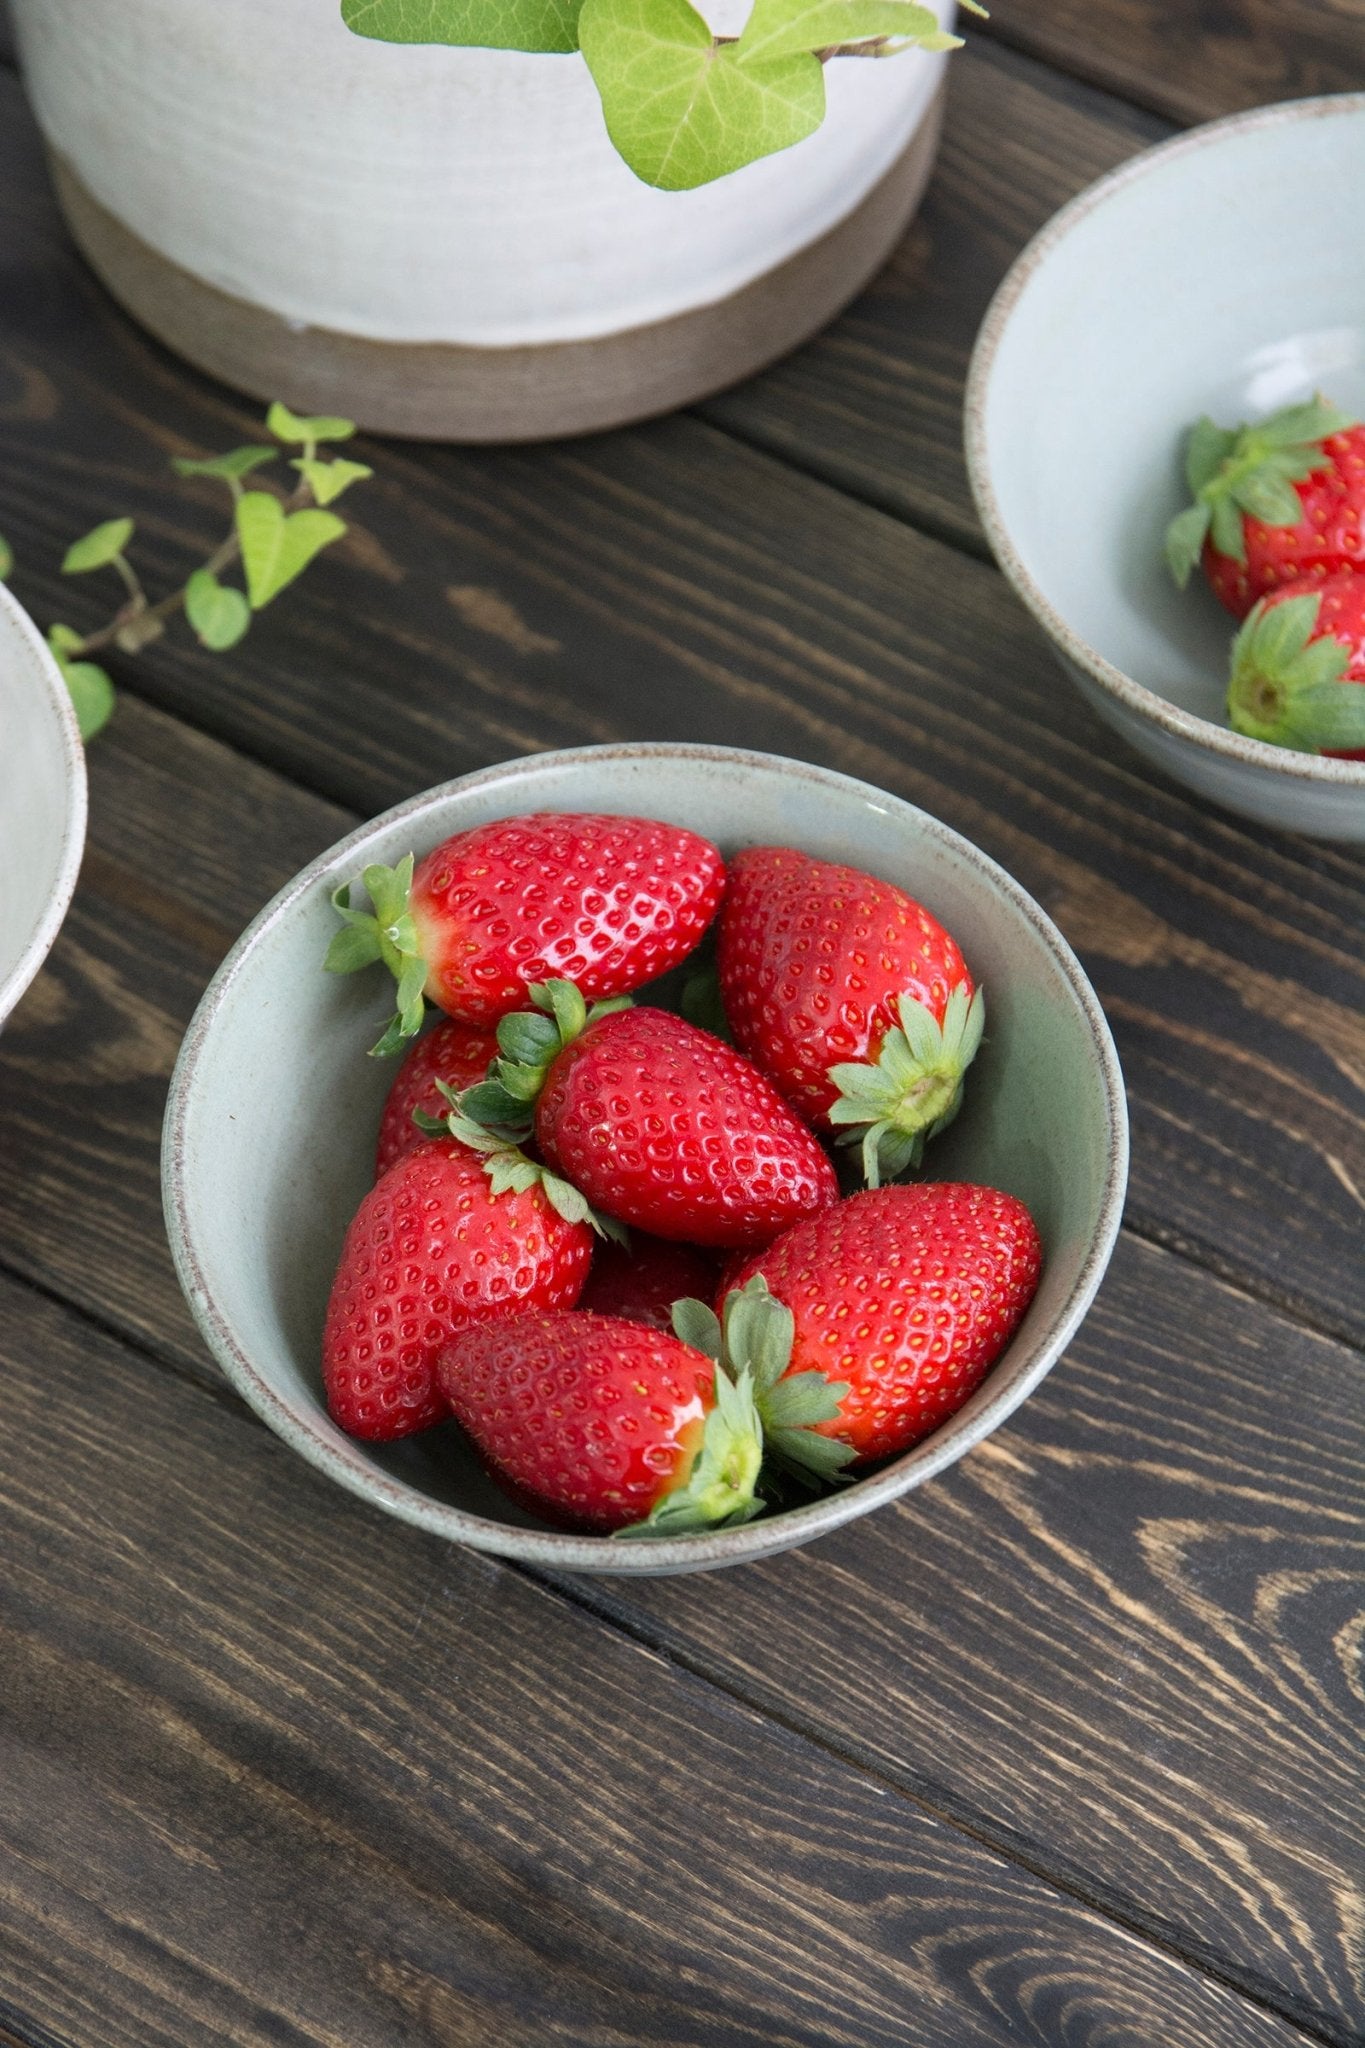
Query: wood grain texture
x: 384, y: 1791
x: 1200, y: 59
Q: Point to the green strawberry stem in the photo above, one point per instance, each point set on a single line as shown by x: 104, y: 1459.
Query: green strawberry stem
x: 752, y: 1338
x: 529, y: 1042
x: 1234, y: 471
x: 384, y: 932
x: 510, y: 1171
x: 719, y: 1489
x: 1288, y: 687
x: 914, y: 1089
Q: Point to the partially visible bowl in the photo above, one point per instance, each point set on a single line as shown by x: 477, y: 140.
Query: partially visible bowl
x: 42, y: 801
x: 269, y: 1137
x: 1213, y: 274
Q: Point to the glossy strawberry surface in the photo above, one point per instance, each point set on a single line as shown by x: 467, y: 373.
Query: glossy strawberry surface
x: 606, y: 902
x: 430, y: 1250
x: 455, y: 1053
x: 813, y: 957
x: 909, y: 1294
x: 641, y: 1280
x: 1329, y: 537
x: 590, y: 1418
x: 674, y: 1132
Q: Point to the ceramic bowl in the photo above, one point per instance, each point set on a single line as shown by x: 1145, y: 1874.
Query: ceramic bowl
x: 42, y: 801
x: 273, y: 1111
x: 1192, y: 280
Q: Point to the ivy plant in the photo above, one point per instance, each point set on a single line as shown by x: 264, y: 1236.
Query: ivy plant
x: 682, y: 106
x: 272, y: 536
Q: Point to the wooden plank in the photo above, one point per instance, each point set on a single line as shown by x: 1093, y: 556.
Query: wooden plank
x: 1126, y: 1626
x: 281, y: 1770
x: 1196, y: 61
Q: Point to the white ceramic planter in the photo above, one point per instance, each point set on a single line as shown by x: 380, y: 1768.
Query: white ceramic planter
x: 441, y: 241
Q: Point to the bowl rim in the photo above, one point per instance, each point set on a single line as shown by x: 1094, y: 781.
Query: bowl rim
x: 38, y: 945
x: 1185, y: 725
x: 554, y: 1549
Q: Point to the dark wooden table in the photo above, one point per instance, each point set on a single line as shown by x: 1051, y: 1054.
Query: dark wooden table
x: 1064, y: 1749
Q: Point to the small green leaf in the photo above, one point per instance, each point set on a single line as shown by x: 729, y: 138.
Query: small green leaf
x: 327, y: 480
x: 6, y: 559
x: 218, y: 614
x: 775, y: 28
x: 292, y: 426
x: 276, y: 546
x: 237, y: 462
x: 97, y: 548
x: 64, y: 640
x: 92, y: 693
x: 545, y: 25
x: 1185, y: 537
x: 1209, y: 448
x: 353, y: 947
x: 683, y: 109
x: 696, y: 1324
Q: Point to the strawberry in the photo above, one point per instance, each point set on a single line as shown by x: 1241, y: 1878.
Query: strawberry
x: 438, y: 1243
x: 1292, y: 662
x: 851, y: 997
x: 902, y: 1297
x: 453, y: 1053
x: 655, y: 1121
x: 1282, y: 499
x: 608, y: 902
x: 642, y: 1280
x: 604, y: 1424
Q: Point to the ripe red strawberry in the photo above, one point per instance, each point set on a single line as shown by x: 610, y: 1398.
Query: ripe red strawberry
x: 1293, y: 663
x: 656, y: 1122
x: 609, y: 903
x: 1274, y: 501
x: 605, y: 1424
x: 453, y: 1053
x: 432, y: 1247
x: 640, y: 1281
x: 851, y: 997
x: 904, y: 1297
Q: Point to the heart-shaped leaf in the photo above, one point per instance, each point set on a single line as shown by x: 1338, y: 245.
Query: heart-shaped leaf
x: 276, y: 546
x: 6, y: 558
x: 489, y: 24
x: 683, y: 109
x: 293, y: 426
x: 777, y: 27
x: 92, y: 694
x: 327, y: 480
x: 218, y: 614
x: 98, y: 547
x: 237, y: 462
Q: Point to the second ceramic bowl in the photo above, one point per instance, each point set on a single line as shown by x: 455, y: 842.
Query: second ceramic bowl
x: 1194, y: 279
x: 42, y: 801
x: 270, y: 1128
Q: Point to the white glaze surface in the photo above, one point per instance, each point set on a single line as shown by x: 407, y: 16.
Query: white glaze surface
x: 423, y: 194
x: 42, y: 801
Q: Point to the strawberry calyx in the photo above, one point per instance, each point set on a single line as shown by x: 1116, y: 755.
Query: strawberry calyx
x: 719, y: 1489
x: 387, y: 932
x: 530, y: 1041
x: 512, y: 1171
x: 752, y: 1339
x: 913, y: 1089
x: 1247, y: 470
x: 1288, y: 687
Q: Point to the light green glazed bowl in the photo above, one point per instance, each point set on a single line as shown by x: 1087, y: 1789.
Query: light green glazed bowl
x: 1195, y: 279
x: 274, y: 1107
x: 42, y: 801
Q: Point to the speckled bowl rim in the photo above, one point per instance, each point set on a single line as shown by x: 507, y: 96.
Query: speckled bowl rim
x: 29, y: 646
x: 597, y: 1554
x: 1185, y: 725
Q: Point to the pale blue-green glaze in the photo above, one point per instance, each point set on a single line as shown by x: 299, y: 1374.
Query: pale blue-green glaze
x: 270, y: 1129
x: 42, y: 801
x: 1220, y: 273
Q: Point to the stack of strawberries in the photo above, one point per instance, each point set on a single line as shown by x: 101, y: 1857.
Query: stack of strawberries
x: 1278, y: 520
x: 612, y: 1243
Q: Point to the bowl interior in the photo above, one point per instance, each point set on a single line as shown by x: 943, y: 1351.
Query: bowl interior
x: 42, y: 801
x: 1198, y: 282
x: 275, y: 1106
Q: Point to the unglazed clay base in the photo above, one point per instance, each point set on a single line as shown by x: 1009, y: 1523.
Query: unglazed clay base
x: 444, y: 392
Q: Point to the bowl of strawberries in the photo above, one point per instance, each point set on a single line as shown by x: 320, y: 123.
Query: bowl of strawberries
x: 1165, y: 426
x: 645, y: 1158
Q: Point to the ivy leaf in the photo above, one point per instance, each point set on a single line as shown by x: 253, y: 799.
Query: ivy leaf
x: 777, y: 27
x: 327, y: 480
x: 683, y: 109
x: 98, y: 547
x: 237, y: 462
x: 6, y: 559
x: 546, y: 25
x: 276, y: 547
x: 218, y: 614
x: 92, y: 693
x: 293, y: 426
